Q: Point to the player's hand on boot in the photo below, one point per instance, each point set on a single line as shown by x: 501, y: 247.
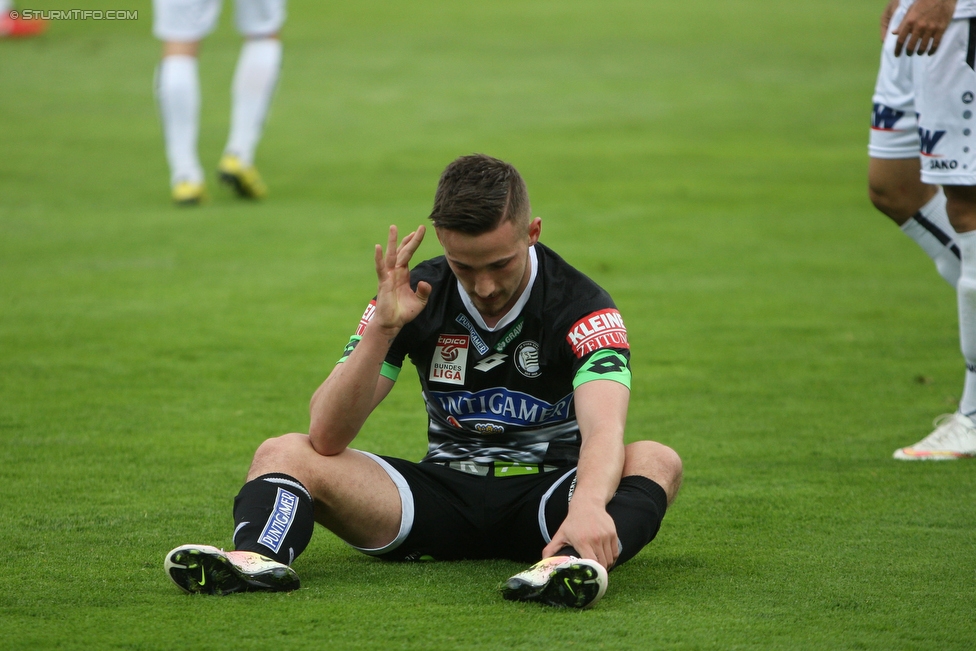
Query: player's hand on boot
x: 591, y: 533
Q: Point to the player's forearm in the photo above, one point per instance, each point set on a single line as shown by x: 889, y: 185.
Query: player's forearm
x: 342, y: 403
x: 601, y: 411
x: 601, y: 464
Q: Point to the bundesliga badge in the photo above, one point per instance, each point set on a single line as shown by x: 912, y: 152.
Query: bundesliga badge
x: 449, y: 360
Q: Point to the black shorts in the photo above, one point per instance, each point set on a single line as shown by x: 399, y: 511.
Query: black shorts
x: 482, y: 511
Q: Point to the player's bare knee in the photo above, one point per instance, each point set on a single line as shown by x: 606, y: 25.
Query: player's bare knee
x: 896, y: 189
x: 895, y: 203
x: 282, y: 454
x: 655, y: 461
x: 881, y: 200
x: 181, y: 48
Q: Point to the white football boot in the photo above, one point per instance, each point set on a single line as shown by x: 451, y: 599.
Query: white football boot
x: 208, y: 570
x: 954, y: 438
x: 559, y: 581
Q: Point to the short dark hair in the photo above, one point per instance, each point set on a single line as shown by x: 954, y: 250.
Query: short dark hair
x: 477, y: 193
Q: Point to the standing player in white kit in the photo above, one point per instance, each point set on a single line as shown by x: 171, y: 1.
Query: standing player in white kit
x: 922, y: 138
x: 181, y: 25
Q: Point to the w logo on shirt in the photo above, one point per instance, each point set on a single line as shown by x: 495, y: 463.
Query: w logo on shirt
x: 884, y: 118
x: 928, y: 140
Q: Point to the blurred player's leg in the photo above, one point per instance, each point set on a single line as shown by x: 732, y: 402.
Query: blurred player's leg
x: 919, y: 210
x: 178, y: 92
x: 894, y: 183
x: 181, y: 25
x: 945, y: 96
x: 962, y: 207
x: 254, y: 83
x: 255, y: 80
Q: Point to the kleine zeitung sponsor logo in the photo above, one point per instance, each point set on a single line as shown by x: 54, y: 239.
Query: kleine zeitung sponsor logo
x: 601, y: 329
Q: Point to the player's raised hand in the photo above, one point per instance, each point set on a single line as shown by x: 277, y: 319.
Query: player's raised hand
x: 921, y: 30
x: 396, y: 302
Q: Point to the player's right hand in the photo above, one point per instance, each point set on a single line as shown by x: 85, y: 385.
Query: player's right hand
x: 921, y: 30
x: 396, y: 302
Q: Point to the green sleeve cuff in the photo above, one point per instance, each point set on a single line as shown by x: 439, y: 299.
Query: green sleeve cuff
x: 604, y: 364
x: 388, y: 370
x: 353, y: 341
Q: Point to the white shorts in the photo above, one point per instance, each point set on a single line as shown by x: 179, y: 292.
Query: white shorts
x: 192, y: 20
x: 945, y: 87
x: 923, y: 106
x: 894, y: 125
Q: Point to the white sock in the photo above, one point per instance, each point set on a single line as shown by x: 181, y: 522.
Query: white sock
x: 178, y: 93
x: 931, y: 230
x: 254, y: 84
x: 966, y: 291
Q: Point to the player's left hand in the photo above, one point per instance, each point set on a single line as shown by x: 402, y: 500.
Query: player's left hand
x: 591, y: 532
x: 921, y: 30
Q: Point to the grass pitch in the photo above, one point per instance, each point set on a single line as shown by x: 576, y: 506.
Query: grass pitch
x: 705, y: 162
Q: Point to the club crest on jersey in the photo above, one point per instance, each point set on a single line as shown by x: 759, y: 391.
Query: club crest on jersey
x: 365, y: 319
x: 601, y: 329
x: 527, y: 359
x: 450, y: 359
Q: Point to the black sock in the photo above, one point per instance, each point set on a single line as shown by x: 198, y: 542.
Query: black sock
x: 273, y: 516
x: 637, y: 509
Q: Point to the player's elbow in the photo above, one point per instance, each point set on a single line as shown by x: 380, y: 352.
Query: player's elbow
x: 324, y: 444
x: 282, y: 454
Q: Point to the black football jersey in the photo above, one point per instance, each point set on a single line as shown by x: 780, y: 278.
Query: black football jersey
x: 507, y: 395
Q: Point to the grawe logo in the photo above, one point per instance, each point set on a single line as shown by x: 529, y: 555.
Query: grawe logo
x: 884, y: 118
x: 928, y: 140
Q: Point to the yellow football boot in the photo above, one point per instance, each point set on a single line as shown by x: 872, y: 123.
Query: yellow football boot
x: 188, y: 193
x: 244, y: 180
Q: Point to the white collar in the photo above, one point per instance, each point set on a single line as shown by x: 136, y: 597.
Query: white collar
x: 513, y: 313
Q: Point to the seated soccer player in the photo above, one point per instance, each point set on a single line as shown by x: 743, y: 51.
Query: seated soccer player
x: 524, y: 364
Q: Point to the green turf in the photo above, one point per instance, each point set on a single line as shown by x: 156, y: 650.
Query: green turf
x: 704, y: 161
